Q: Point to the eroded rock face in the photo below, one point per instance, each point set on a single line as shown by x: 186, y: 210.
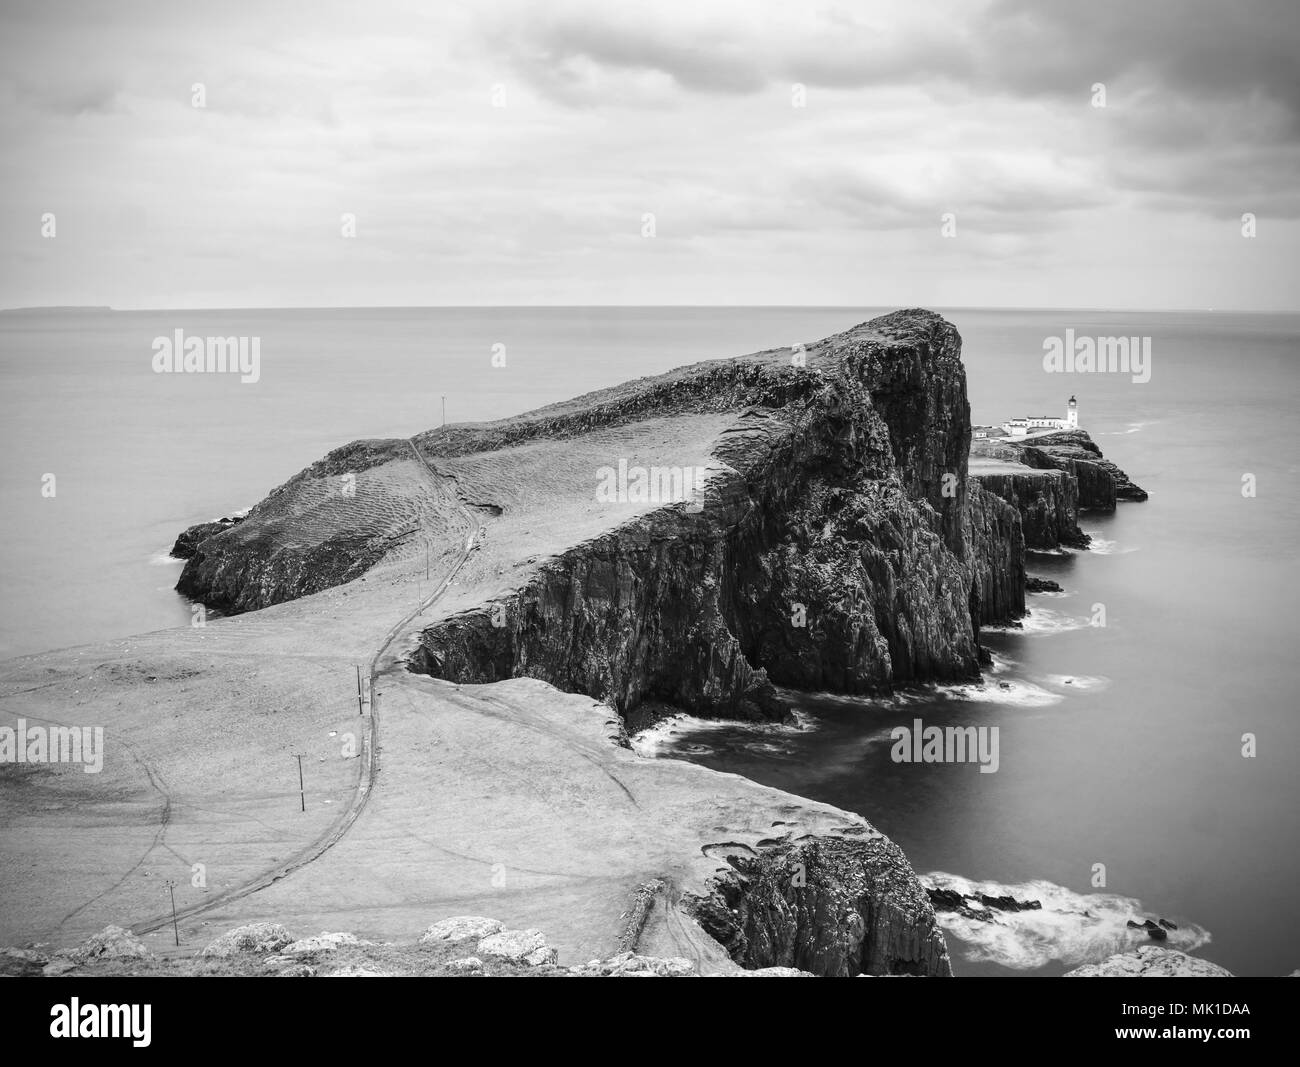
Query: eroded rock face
x: 316, y: 531
x: 1076, y: 446
x: 837, y: 907
x: 841, y: 498
x: 997, y: 557
x: 190, y: 539
x: 1048, y: 503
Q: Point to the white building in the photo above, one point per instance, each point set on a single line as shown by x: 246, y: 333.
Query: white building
x: 1039, y: 423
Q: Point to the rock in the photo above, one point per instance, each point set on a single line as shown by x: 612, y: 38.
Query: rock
x: 358, y: 971
x: 57, y: 967
x: 297, y: 970
x: 631, y: 965
x: 1149, y: 961
x: 323, y: 942
x: 1010, y: 903
x: 859, y: 908
x: 26, y: 955
x: 461, y: 928
x: 1167, y: 924
x: 781, y: 972
x: 1035, y: 584
x: 469, y: 965
x: 260, y: 938
x: 518, y: 946
x: 189, y: 540
x: 111, y: 943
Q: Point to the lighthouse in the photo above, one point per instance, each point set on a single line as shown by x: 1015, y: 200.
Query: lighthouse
x: 1072, y: 414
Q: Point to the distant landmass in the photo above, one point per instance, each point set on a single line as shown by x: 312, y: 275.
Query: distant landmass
x: 63, y: 307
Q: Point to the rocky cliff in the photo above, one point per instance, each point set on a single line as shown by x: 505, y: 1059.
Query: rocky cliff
x: 830, y: 551
x: 842, y: 541
x: 833, y: 906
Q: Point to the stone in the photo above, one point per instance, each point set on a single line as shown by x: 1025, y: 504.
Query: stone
x: 518, y: 946
x: 1150, y: 961
x: 259, y: 938
x: 461, y: 928
x: 468, y: 965
x: 322, y: 942
x: 111, y: 943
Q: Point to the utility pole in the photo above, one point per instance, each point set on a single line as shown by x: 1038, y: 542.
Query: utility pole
x: 171, y: 890
x: 444, y: 409
x: 359, y: 707
x: 302, y: 792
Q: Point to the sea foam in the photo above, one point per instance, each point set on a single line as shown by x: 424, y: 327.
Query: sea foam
x: 1070, y: 928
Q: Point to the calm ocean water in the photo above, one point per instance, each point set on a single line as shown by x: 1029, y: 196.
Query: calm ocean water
x: 1134, y: 762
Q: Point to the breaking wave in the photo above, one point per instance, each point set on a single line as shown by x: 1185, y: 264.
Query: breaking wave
x: 1071, y: 928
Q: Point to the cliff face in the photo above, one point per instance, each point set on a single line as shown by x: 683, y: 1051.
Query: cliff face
x: 830, y: 551
x: 842, y: 543
x: 1101, y: 483
x: 828, y: 905
x: 996, y: 536
x: 1047, y: 502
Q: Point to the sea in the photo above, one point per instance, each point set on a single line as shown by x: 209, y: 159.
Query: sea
x: 1147, y: 718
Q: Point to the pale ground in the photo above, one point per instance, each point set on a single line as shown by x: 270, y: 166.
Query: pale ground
x: 506, y: 800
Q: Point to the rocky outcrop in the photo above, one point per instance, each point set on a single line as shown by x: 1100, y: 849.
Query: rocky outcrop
x: 1150, y: 961
x: 831, y: 551
x: 1101, y: 483
x: 190, y: 539
x: 1048, y: 503
x: 260, y: 938
x: 834, y: 906
x: 318, y: 530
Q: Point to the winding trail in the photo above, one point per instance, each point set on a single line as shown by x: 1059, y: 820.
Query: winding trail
x: 370, y: 744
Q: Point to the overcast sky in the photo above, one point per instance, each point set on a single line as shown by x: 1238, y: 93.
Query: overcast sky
x: 683, y: 110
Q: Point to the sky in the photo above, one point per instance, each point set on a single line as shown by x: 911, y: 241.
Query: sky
x: 600, y: 152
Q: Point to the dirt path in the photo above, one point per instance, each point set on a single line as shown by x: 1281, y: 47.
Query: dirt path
x: 369, y: 754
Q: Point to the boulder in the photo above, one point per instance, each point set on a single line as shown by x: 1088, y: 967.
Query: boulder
x: 260, y: 938
x: 518, y: 946
x: 322, y: 942
x: 461, y: 928
x: 111, y: 943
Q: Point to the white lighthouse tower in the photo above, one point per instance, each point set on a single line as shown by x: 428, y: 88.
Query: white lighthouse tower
x: 1072, y: 415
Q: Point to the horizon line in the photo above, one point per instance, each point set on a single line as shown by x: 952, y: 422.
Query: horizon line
x: 683, y: 307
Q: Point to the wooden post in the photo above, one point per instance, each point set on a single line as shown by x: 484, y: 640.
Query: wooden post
x: 302, y: 792
x: 171, y: 890
x: 359, y: 707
